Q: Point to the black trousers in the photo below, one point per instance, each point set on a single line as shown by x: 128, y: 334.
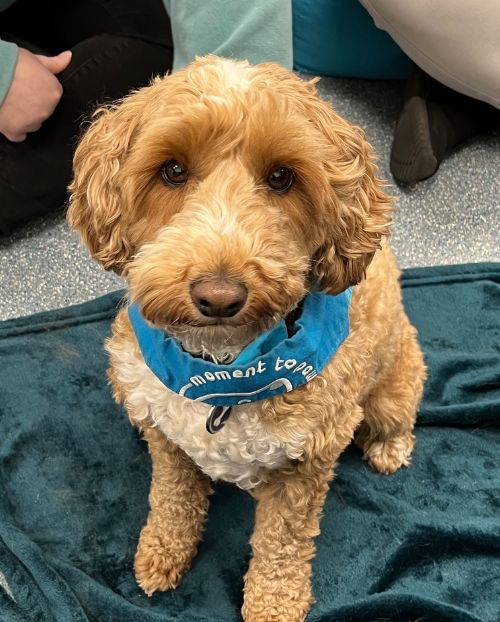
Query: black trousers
x: 117, y: 45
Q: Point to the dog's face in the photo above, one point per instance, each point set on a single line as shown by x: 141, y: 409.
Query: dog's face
x: 224, y: 191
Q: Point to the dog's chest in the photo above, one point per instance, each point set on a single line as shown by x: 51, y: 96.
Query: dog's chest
x: 243, y: 452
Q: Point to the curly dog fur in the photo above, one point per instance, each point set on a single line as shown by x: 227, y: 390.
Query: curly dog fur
x: 231, y: 124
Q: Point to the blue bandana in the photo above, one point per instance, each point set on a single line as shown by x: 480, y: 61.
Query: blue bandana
x: 273, y: 363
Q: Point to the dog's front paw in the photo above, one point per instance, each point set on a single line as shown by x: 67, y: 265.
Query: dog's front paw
x: 159, y: 562
x: 388, y: 455
x: 277, y: 594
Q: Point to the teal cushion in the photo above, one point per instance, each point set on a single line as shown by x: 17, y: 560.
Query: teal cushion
x: 339, y: 38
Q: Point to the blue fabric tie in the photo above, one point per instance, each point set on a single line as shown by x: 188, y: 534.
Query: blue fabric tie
x: 273, y: 363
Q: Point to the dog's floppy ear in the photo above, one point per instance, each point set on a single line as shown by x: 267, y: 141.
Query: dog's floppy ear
x: 358, y: 211
x: 97, y: 206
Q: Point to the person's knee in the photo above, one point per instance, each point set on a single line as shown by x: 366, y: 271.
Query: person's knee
x: 107, y: 67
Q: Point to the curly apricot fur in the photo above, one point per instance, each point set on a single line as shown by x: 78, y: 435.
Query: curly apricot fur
x: 229, y: 124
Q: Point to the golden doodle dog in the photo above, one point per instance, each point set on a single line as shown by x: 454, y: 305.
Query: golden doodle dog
x: 246, y: 217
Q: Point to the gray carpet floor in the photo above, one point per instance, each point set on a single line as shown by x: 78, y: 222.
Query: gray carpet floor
x: 454, y: 217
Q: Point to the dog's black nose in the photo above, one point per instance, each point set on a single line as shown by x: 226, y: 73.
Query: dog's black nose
x: 219, y: 297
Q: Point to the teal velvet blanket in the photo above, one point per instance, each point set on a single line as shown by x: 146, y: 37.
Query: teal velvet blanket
x: 423, y: 544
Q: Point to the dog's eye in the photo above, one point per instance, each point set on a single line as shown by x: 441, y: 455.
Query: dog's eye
x: 173, y: 173
x: 280, y: 179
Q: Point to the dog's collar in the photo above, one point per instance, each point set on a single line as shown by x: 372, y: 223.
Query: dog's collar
x: 273, y: 363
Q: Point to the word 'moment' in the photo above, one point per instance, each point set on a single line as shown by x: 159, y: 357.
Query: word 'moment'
x: 290, y: 365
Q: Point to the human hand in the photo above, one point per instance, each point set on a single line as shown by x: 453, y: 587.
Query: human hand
x: 33, y: 94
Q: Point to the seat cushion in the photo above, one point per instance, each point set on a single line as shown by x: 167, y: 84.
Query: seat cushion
x: 339, y: 38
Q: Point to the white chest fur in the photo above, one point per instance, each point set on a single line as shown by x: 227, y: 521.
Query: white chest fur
x: 242, y: 452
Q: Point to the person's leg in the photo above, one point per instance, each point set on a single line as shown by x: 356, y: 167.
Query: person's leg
x: 454, y: 94
x: 34, y: 174
x: 142, y: 19
x: 30, y: 21
x: 55, y: 25
x: 434, y: 120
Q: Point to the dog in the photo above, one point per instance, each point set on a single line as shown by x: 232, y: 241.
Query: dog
x: 231, y: 198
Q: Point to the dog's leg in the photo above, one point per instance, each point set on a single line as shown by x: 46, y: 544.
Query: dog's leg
x: 386, y: 434
x: 179, y: 504
x: 277, y: 585
x: 278, y: 581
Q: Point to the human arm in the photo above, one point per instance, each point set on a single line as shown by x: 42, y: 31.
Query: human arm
x: 8, y: 60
